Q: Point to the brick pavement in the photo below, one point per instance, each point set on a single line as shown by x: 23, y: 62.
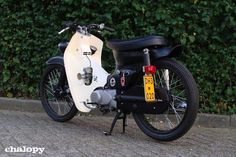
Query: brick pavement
x: 83, y: 136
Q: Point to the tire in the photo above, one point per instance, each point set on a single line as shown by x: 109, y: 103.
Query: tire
x: 56, y: 98
x: 178, y: 106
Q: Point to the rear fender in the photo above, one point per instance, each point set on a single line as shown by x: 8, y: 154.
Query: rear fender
x: 166, y: 52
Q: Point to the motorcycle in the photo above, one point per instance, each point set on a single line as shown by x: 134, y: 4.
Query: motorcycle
x: 147, y: 82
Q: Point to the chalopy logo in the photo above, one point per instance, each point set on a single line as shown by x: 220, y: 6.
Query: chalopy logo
x: 24, y: 149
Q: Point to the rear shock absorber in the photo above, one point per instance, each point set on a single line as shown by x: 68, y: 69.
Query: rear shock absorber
x: 148, y: 68
x: 146, y: 57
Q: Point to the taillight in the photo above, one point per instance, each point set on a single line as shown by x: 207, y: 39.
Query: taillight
x: 150, y: 69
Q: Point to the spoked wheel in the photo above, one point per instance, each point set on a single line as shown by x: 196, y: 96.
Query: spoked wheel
x: 182, y: 107
x: 55, y: 94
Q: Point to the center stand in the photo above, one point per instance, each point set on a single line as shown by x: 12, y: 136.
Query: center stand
x: 118, y: 116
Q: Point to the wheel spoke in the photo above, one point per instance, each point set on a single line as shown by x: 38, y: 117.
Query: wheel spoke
x: 49, y: 92
x: 179, y: 98
x: 160, y: 79
x: 180, y: 92
x: 51, y: 81
x: 55, y: 77
x: 172, y: 77
x: 175, y: 82
x: 58, y: 107
x: 66, y: 106
x: 178, y: 118
x: 170, y: 124
x: 176, y: 86
x: 52, y: 99
x: 162, y: 76
x: 70, y: 101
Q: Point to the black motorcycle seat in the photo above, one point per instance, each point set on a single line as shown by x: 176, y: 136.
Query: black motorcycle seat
x: 134, y: 44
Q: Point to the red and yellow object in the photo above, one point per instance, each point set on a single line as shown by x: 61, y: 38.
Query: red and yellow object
x: 149, y: 89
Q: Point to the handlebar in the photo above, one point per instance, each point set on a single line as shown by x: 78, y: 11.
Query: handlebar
x: 85, y: 29
x: 63, y: 30
x: 109, y: 29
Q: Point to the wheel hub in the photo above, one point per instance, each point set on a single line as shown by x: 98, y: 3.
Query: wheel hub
x: 59, y: 92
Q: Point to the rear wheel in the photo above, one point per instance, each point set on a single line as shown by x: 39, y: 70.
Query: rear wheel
x: 182, y: 109
x: 55, y: 94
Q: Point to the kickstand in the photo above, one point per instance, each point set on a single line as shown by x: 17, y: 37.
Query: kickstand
x: 124, y: 122
x: 114, y: 122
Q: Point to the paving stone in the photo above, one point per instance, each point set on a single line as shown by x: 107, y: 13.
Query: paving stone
x: 83, y: 137
x: 212, y: 120
x: 233, y: 121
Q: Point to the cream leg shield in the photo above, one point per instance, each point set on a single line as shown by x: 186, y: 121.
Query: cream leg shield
x: 75, y: 61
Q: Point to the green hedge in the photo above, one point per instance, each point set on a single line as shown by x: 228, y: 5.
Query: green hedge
x: 206, y: 29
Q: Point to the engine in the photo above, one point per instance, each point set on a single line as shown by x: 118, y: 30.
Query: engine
x: 104, y: 97
x: 119, y: 81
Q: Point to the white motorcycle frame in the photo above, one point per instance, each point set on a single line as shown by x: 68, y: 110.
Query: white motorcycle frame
x: 75, y: 61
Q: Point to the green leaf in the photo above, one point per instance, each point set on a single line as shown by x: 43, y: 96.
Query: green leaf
x: 9, y: 94
x: 191, y: 38
x: 6, y: 76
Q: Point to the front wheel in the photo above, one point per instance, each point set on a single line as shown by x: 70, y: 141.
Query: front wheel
x: 55, y: 94
x: 182, y: 109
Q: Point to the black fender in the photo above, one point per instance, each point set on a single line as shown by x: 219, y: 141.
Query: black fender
x: 56, y: 60
x: 166, y: 52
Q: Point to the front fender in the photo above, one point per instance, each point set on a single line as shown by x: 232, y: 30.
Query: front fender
x: 56, y: 60
x: 166, y: 52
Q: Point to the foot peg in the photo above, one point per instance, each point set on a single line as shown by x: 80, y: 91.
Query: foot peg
x: 118, y: 116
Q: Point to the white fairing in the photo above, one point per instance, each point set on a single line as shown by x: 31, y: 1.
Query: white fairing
x: 75, y: 61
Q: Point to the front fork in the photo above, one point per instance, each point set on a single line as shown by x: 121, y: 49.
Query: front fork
x: 62, y: 78
x: 59, y: 88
